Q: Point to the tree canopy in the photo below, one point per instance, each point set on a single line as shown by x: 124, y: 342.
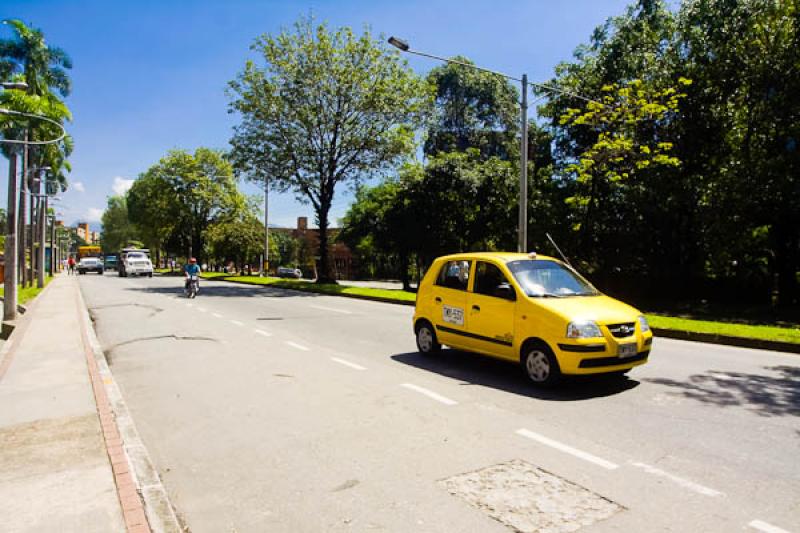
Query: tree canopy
x: 325, y: 107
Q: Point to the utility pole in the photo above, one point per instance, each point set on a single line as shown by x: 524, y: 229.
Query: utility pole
x: 42, y: 235
x: 10, y: 273
x: 522, y: 242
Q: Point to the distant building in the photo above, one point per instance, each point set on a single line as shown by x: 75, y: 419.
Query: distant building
x: 83, y: 231
x: 341, y: 258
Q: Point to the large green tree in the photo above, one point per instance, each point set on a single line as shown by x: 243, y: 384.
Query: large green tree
x: 325, y: 107
x: 175, y: 200
x: 474, y: 109
x: 117, y: 229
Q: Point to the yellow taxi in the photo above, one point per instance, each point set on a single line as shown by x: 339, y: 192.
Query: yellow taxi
x: 530, y: 309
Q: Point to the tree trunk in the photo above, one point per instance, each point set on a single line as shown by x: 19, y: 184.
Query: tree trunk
x: 23, y: 202
x: 324, y: 270
x: 787, y: 244
x: 10, y: 275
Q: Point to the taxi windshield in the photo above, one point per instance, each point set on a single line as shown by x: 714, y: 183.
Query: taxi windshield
x: 548, y: 279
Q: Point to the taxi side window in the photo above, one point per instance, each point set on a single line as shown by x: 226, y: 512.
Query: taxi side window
x: 454, y: 275
x: 489, y: 280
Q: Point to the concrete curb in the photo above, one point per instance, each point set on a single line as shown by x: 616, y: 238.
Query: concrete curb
x: 710, y: 338
x: 158, y: 508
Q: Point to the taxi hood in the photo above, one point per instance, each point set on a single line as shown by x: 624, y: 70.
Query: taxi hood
x: 602, y: 309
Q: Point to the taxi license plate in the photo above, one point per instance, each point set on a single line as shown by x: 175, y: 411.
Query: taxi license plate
x: 626, y: 350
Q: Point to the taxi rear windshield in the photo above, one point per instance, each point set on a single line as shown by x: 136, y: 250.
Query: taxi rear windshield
x: 548, y: 279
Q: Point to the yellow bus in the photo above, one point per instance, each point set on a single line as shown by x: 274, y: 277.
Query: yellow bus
x: 89, y: 251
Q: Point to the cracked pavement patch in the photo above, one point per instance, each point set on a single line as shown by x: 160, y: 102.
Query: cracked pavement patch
x: 528, y: 499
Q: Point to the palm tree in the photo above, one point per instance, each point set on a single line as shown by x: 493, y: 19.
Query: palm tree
x: 43, y: 68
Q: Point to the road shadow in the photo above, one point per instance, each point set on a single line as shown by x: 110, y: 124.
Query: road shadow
x: 227, y: 290
x: 771, y: 395
x: 474, y: 369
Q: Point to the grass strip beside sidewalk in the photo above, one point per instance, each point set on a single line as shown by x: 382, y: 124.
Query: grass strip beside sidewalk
x: 703, y: 330
x: 25, y: 295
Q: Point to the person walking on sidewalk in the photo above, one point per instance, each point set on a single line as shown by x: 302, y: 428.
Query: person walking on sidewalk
x: 71, y: 265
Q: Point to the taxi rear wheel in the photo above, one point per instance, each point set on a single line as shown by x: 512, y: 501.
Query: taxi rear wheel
x: 427, y: 343
x: 540, y: 365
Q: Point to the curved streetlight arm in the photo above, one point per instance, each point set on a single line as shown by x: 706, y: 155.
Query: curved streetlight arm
x: 403, y: 46
x: 4, y: 111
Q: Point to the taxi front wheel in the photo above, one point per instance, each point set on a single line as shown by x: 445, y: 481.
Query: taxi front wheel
x: 540, y: 365
x: 426, y: 339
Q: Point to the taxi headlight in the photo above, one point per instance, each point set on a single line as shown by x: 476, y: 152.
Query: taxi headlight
x: 583, y: 330
x: 643, y: 325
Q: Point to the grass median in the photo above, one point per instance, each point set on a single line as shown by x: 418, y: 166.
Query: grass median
x: 389, y: 295
x: 26, y: 294
x: 728, y: 329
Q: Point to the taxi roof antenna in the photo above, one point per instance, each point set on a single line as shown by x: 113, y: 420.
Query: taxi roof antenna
x: 564, y: 257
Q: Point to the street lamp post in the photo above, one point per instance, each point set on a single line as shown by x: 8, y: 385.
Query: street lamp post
x: 522, y: 225
x: 522, y: 230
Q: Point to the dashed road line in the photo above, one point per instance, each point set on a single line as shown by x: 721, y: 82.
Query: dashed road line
x: 691, y: 485
x: 567, y: 449
x: 332, y: 309
x: 262, y: 332
x: 347, y: 363
x: 430, y: 394
x: 298, y: 346
x: 765, y: 527
x: 216, y: 315
x: 236, y: 322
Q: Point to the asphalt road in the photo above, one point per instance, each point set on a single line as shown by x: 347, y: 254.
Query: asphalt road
x: 272, y: 410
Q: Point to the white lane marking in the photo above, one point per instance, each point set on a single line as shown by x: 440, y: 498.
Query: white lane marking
x: 298, y: 346
x: 691, y: 485
x: 262, y: 332
x: 430, y: 394
x: 188, y: 305
x: 236, y: 323
x: 567, y: 449
x: 332, y: 309
x: 767, y: 528
x: 216, y: 315
x: 201, y: 309
x: 347, y: 363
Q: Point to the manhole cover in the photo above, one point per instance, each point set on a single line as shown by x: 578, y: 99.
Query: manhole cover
x: 528, y: 499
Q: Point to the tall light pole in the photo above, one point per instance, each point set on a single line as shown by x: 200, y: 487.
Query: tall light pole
x: 522, y: 228
x: 522, y: 224
x: 12, y: 256
x: 10, y: 272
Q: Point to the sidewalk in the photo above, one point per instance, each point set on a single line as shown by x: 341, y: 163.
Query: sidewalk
x: 57, y: 433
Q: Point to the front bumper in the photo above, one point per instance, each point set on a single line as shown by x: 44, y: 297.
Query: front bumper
x: 596, y: 356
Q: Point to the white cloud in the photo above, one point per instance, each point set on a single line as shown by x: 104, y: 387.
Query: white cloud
x: 121, y: 185
x: 93, y: 214
x: 78, y: 186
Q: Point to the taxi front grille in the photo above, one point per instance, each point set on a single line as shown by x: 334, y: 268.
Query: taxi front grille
x: 626, y: 329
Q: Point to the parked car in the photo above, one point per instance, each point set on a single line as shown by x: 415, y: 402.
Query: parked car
x: 90, y: 264
x: 286, y: 272
x: 529, y: 309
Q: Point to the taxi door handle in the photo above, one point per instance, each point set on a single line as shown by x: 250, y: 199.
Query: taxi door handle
x: 438, y: 300
x: 476, y: 308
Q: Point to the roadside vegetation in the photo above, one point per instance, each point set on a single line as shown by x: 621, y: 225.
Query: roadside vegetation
x: 27, y: 294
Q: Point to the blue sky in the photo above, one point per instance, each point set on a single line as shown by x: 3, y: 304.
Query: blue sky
x: 150, y: 75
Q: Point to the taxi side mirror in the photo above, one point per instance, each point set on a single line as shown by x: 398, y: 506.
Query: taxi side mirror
x: 505, y: 291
